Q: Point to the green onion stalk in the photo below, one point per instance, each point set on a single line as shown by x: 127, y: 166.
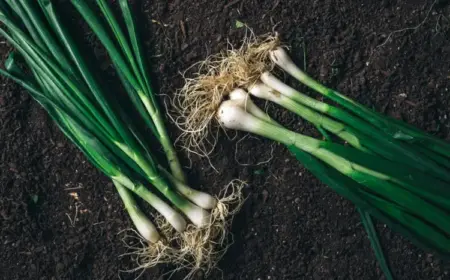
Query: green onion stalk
x: 48, y: 63
x: 394, y: 128
x: 388, y: 169
x: 399, y: 197
x: 386, y: 176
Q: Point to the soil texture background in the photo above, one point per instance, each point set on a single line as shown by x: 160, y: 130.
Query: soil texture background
x: 391, y: 55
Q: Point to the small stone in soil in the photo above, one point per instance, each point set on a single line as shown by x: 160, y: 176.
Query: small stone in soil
x: 265, y: 195
x: 59, y: 268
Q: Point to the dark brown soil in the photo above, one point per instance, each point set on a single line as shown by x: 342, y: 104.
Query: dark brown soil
x: 292, y: 226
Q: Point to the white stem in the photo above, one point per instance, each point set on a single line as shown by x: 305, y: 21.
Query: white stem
x: 282, y: 59
x: 277, y: 85
x: 171, y: 215
x: 263, y: 91
x: 232, y: 115
x: 238, y: 94
x: 198, y: 216
x: 201, y: 199
x: 249, y: 106
x: 307, y: 113
x: 143, y: 225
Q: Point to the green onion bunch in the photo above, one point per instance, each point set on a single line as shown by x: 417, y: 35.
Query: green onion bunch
x: 387, y: 168
x: 49, y: 63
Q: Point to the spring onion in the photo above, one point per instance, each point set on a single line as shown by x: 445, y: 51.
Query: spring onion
x: 57, y: 76
x: 388, y: 169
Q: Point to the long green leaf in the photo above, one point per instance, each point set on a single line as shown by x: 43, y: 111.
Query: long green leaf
x: 113, y: 111
x: 121, y: 39
x: 17, y: 8
x: 421, y: 233
x: 47, y: 37
x: 152, y: 104
x: 414, y: 180
x: 374, y: 142
x: 395, y: 128
x: 55, y: 88
x: 132, y: 85
x: 45, y: 64
x: 98, y: 28
x: 132, y: 32
x: 438, y: 158
x: 374, y: 241
x: 137, y: 103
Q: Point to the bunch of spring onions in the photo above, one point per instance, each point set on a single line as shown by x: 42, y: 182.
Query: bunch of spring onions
x: 47, y: 61
x: 388, y: 169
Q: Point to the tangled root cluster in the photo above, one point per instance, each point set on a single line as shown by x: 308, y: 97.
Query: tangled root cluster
x: 197, y: 102
x: 196, y: 248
